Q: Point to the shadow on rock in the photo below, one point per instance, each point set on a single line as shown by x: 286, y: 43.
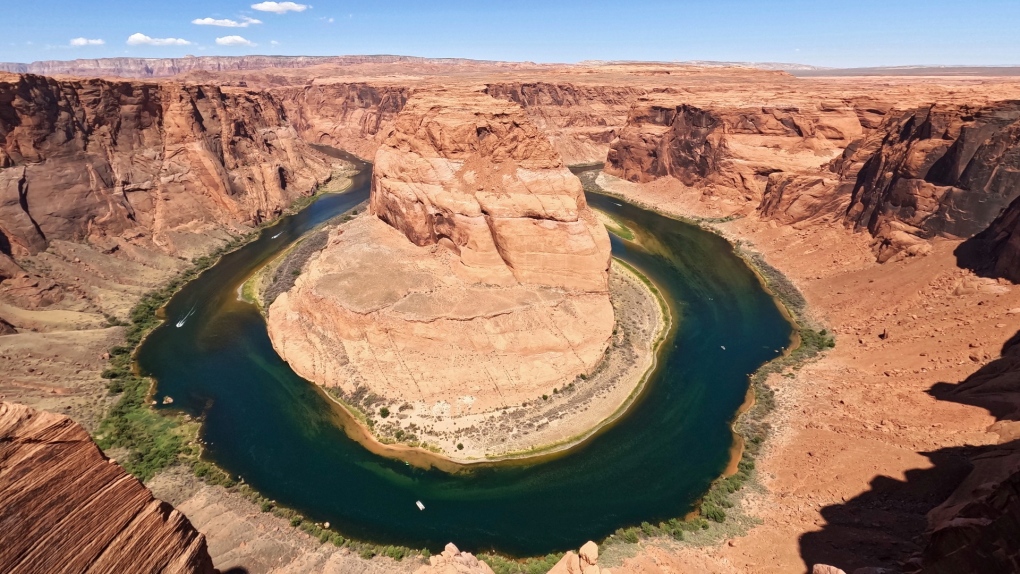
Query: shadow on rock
x: 885, y: 525
x: 960, y: 516
x: 973, y: 254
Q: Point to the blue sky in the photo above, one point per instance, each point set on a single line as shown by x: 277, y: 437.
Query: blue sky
x: 818, y: 32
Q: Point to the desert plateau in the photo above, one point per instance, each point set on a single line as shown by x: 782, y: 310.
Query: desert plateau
x: 435, y: 315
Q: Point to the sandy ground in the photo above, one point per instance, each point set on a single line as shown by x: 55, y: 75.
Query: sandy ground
x: 240, y: 536
x: 848, y: 474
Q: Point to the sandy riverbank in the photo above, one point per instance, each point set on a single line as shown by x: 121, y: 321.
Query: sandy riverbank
x: 847, y: 474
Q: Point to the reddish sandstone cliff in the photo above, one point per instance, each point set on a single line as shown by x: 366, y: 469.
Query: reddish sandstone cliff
x: 940, y: 170
x: 997, y: 249
x: 351, y: 116
x: 67, y: 508
x: 92, y: 158
x: 579, y: 120
x: 729, y: 148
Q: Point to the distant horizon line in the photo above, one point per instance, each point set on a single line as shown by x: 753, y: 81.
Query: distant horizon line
x: 775, y: 65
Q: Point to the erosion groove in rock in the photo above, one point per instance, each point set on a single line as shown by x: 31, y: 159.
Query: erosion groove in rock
x: 67, y: 508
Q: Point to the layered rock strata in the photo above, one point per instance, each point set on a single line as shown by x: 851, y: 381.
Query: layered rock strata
x: 731, y: 147
x: 938, y: 170
x: 94, y: 159
x: 67, y: 508
x: 488, y: 271
x: 355, y: 117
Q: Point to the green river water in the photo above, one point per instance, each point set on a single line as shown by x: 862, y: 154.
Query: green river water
x: 283, y: 436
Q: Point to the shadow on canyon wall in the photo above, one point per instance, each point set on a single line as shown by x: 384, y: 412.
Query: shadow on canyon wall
x: 962, y: 515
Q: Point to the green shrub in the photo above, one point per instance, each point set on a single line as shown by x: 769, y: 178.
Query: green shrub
x: 713, y: 513
x: 384, y: 412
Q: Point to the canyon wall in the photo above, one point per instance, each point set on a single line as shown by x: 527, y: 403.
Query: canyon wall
x: 996, y: 250
x: 903, y: 176
x: 579, y: 120
x: 65, y: 507
x: 351, y: 116
x: 726, y: 147
x: 939, y: 170
x: 87, y: 159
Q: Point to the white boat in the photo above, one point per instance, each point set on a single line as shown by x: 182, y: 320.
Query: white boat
x: 185, y: 318
x: 722, y: 347
x: 277, y: 235
x: 420, y: 505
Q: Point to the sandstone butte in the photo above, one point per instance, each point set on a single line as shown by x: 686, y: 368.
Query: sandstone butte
x: 489, y: 272
x: 65, y: 507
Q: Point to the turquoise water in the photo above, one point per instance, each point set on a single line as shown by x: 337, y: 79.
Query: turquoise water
x: 281, y: 434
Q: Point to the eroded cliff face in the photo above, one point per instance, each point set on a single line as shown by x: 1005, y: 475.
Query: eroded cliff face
x: 67, y: 508
x: 352, y: 116
x: 579, y: 120
x: 470, y: 172
x: 489, y: 271
x: 728, y: 149
x: 941, y: 170
x: 83, y: 160
x: 997, y: 249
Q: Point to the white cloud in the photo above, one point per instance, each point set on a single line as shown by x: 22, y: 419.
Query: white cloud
x: 137, y: 39
x: 273, y: 42
x: 234, y: 41
x: 226, y: 22
x: 87, y: 42
x: 279, y: 7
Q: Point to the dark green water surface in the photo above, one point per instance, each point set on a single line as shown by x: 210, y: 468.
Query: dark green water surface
x: 281, y: 434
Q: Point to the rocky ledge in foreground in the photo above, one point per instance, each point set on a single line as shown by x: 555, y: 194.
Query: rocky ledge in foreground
x: 479, y: 282
x: 65, y: 507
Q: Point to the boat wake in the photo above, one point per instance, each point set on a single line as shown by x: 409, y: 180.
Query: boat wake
x: 277, y: 235
x: 185, y: 318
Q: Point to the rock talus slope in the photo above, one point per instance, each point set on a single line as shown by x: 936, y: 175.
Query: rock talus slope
x: 67, y: 508
x: 489, y: 273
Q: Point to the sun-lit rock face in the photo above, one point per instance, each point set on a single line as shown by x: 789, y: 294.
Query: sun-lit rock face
x: 472, y: 173
x: 65, y: 507
x: 479, y: 280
